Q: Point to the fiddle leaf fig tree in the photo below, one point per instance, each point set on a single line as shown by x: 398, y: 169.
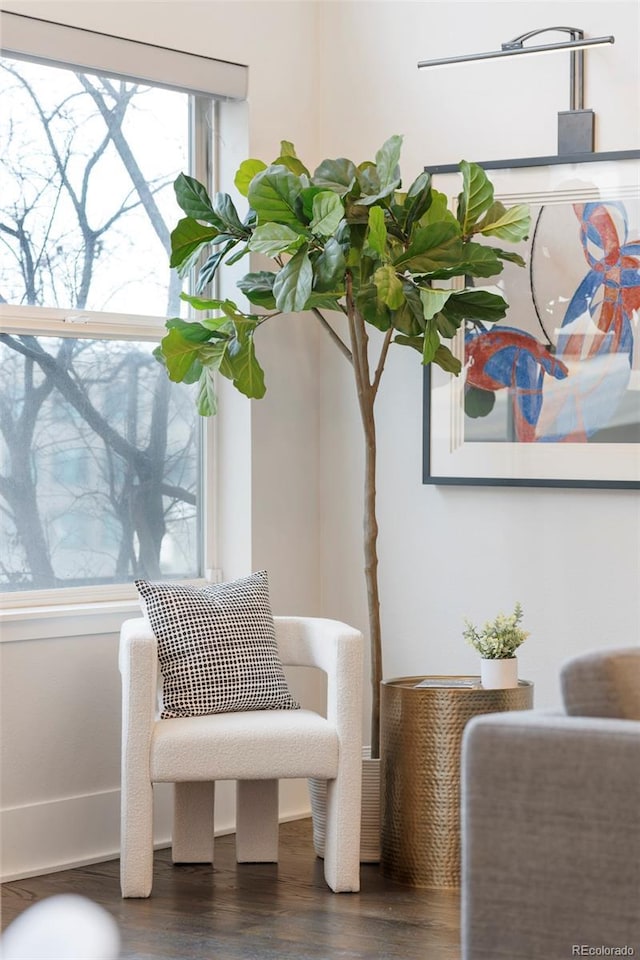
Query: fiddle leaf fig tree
x: 345, y: 239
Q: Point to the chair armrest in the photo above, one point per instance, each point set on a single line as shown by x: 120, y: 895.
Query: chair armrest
x: 337, y: 649
x: 138, y: 663
x: 551, y: 833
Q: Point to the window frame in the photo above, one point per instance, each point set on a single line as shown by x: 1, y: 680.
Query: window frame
x: 57, y: 322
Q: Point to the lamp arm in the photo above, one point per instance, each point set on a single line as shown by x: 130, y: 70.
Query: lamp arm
x: 575, y: 32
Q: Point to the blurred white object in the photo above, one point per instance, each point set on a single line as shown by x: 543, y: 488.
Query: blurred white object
x: 64, y: 927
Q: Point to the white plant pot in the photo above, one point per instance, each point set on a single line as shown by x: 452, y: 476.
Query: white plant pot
x: 370, y: 816
x: 499, y: 674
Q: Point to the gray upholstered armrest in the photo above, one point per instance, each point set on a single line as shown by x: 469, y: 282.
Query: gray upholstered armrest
x: 550, y: 835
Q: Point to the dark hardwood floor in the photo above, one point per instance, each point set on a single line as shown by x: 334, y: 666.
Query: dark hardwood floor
x: 278, y: 911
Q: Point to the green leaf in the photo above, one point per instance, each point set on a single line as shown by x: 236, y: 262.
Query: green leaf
x: 207, y: 401
x: 433, y: 300
x: 328, y: 211
x: 387, y: 173
x: 432, y: 248
x: 476, y: 196
x: 377, y: 236
x: 179, y: 354
x: 431, y: 342
x: 387, y: 159
x: 225, y: 209
x: 307, y: 196
x: 510, y: 256
x: 368, y: 179
x: 292, y: 285
x: 409, y: 319
x: 389, y: 286
x: 372, y: 307
x: 337, y: 175
x: 445, y: 359
x: 480, y: 261
x: 245, y: 174
x: 511, y: 224
x: 474, y: 259
x: 201, y: 304
x: 447, y: 326
x: 478, y: 305
x: 478, y: 403
x: 238, y: 255
x: 193, y: 331
x: 242, y: 367
x: 293, y: 164
x: 287, y: 149
x: 437, y: 212
x: 193, y: 198
x: 325, y: 301
x: 329, y: 267
x: 415, y: 342
x: 187, y: 238
x: 194, y: 373
x: 258, y: 288
x: 210, y: 266
x: 274, y: 238
x: 418, y: 199
x: 273, y: 194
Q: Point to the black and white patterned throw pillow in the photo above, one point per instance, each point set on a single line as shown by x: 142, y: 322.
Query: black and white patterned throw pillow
x: 216, y: 646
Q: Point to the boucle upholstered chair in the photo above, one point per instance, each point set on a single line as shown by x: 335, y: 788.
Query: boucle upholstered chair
x: 256, y: 748
x: 551, y: 820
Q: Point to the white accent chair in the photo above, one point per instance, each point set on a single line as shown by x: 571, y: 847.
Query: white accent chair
x: 257, y: 748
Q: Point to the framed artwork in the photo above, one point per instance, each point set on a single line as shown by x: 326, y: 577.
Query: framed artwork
x: 550, y: 395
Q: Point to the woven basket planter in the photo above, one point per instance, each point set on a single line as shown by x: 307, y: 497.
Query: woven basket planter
x: 370, y: 819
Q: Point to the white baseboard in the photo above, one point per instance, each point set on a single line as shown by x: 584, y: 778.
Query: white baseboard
x: 55, y: 835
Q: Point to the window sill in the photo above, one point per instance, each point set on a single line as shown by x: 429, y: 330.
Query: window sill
x: 65, y: 620
x: 40, y: 621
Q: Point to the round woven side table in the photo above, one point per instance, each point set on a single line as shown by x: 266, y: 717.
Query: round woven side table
x: 420, y: 746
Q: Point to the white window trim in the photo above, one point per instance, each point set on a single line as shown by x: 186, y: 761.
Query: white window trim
x: 58, y: 44
x: 88, y: 50
x: 55, y: 322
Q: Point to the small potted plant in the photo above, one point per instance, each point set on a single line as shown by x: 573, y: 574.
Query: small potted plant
x: 497, y: 643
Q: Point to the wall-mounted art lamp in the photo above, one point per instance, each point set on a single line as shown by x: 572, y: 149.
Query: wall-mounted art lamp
x: 576, y: 125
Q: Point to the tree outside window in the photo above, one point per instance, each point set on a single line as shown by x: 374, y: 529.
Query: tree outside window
x: 99, y: 452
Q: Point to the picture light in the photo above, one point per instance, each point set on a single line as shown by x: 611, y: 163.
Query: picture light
x: 576, y: 125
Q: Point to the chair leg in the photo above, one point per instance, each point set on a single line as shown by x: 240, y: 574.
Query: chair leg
x: 342, y: 843
x: 136, y: 839
x: 257, y: 821
x: 193, y: 827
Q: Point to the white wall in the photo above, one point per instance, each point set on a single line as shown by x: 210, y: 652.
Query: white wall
x: 571, y: 556
x: 61, y: 696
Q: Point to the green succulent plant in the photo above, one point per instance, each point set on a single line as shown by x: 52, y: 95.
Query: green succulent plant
x: 497, y: 639
x: 348, y: 240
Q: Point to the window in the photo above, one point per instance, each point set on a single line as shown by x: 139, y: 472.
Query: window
x: 100, y: 465
x: 86, y: 190
x: 100, y: 455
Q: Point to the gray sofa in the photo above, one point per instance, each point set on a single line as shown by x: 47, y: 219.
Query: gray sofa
x: 551, y: 821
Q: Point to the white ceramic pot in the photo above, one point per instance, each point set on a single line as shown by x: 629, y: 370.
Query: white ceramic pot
x: 499, y: 674
x: 370, y: 819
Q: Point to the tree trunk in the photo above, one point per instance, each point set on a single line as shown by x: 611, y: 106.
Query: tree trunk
x: 366, y: 391
x: 371, y: 575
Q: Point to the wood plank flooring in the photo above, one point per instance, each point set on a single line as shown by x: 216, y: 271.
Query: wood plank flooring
x: 278, y: 911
